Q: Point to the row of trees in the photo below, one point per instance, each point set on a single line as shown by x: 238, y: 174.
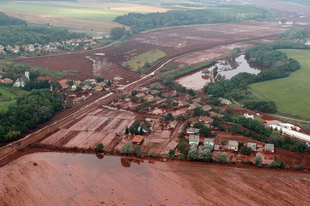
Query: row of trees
x: 5, y: 20
x: 36, y: 107
x: 25, y: 35
x: 220, y: 14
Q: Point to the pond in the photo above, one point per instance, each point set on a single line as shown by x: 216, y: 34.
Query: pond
x: 197, y: 80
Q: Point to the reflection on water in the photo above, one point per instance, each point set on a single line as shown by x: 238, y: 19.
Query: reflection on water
x: 126, y: 162
x: 197, y: 80
x: 244, y: 66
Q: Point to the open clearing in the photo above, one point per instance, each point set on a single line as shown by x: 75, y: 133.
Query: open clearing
x: 172, y: 42
x: 138, y: 62
x: 87, y: 180
x: 8, y: 96
x: 291, y: 94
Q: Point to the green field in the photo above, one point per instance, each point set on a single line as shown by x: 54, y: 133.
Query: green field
x: 68, y: 11
x: 291, y: 94
x: 8, y: 96
x: 137, y: 62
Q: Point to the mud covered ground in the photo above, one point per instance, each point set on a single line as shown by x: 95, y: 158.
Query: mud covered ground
x: 67, y: 179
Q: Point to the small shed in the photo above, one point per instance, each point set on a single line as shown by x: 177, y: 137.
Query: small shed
x: 252, y: 145
x: 192, y: 131
x: 206, y: 108
x: 193, y: 141
x: 233, y: 145
x: 138, y: 140
x: 172, y: 125
x: 269, y: 148
x: 208, y: 143
x: 208, y: 120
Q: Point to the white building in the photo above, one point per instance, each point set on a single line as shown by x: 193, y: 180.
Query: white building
x: 291, y: 133
x: 289, y: 126
x: 246, y: 115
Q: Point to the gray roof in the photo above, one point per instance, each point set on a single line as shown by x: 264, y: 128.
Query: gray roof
x: 193, y: 139
x: 208, y: 141
x: 192, y: 130
x: 269, y: 147
x: 232, y: 143
x: 252, y: 145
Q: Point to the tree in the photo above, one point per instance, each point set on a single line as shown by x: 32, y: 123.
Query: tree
x: 127, y: 149
x: 206, y: 155
x: 147, y: 64
x: 69, y: 103
x: 245, y: 150
x: 191, y: 92
x: 169, y: 116
x: 193, y: 154
x: 126, y: 130
x: 171, y: 153
x: 117, y: 32
x: 137, y: 150
x: 198, y: 111
x: 236, y: 128
x: 221, y: 157
x: 258, y: 160
x: 205, y: 131
x: 100, y: 147
x: 44, y: 113
x: 152, y: 154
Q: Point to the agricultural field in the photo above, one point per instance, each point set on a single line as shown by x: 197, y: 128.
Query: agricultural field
x: 291, y: 94
x: 8, y: 96
x: 137, y: 62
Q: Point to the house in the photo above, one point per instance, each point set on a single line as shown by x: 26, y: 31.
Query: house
x: 154, y: 92
x: 192, y: 131
x: 246, y: 115
x: 269, y: 148
x: 102, y: 84
x: 214, y: 114
x: 307, y: 43
x: 2, y: 51
x: 140, y: 95
x: 86, y: 87
x: 193, y: 141
x: 7, y: 81
x: 224, y: 101
x: 208, y: 143
x: 161, y: 101
x: 197, y: 100
x: 173, y: 125
x: 252, y: 145
x: 233, y: 145
x: 196, y: 104
x: 183, y: 103
x: 149, y: 97
x: 289, y: 126
x: 20, y: 82
x: 207, y: 120
x: 206, y: 108
x: 138, y: 140
x: 157, y: 99
x: 98, y: 88
x: 87, y: 82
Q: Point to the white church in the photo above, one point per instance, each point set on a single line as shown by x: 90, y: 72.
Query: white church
x: 21, y: 81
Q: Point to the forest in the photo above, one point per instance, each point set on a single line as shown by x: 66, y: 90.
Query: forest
x: 219, y: 14
x: 36, y: 107
x: 25, y: 35
x: 5, y: 20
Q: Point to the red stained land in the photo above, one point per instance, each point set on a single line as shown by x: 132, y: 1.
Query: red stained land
x: 174, y: 42
x: 67, y: 179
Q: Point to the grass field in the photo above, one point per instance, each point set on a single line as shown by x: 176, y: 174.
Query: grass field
x: 67, y: 11
x: 291, y: 94
x: 138, y: 61
x: 8, y: 96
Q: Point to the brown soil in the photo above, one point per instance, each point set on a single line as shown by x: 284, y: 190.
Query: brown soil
x: 37, y: 179
x: 174, y: 42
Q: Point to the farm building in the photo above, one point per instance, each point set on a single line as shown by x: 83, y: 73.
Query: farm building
x: 233, y: 145
x: 252, y: 145
x: 208, y: 143
x: 192, y: 131
x: 291, y: 133
x: 207, y: 120
x: 193, y: 141
x: 206, y: 108
x: 224, y: 101
x: 138, y: 140
x: 269, y: 148
x: 289, y: 126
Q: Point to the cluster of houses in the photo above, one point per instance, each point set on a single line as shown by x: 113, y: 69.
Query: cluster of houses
x: 51, y: 47
x: 87, y: 85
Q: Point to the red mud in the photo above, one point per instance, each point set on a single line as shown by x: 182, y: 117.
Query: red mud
x: 66, y: 179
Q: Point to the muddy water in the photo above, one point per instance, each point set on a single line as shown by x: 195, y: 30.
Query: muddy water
x: 68, y: 179
x: 196, y: 81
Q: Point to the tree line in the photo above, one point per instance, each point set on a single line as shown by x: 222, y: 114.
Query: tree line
x: 25, y: 35
x: 5, y: 20
x: 36, y: 107
x: 219, y: 14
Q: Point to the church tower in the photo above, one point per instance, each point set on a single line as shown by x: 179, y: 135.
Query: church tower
x: 27, y: 74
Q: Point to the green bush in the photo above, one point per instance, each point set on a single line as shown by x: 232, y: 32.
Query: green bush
x: 287, y: 167
x: 221, y: 157
x: 276, y: 164
x: 296, y: 167
x: 100, y: 147
x: 152, y: 154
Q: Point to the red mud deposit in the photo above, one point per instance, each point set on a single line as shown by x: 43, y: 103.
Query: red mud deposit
x: 67, y: 179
